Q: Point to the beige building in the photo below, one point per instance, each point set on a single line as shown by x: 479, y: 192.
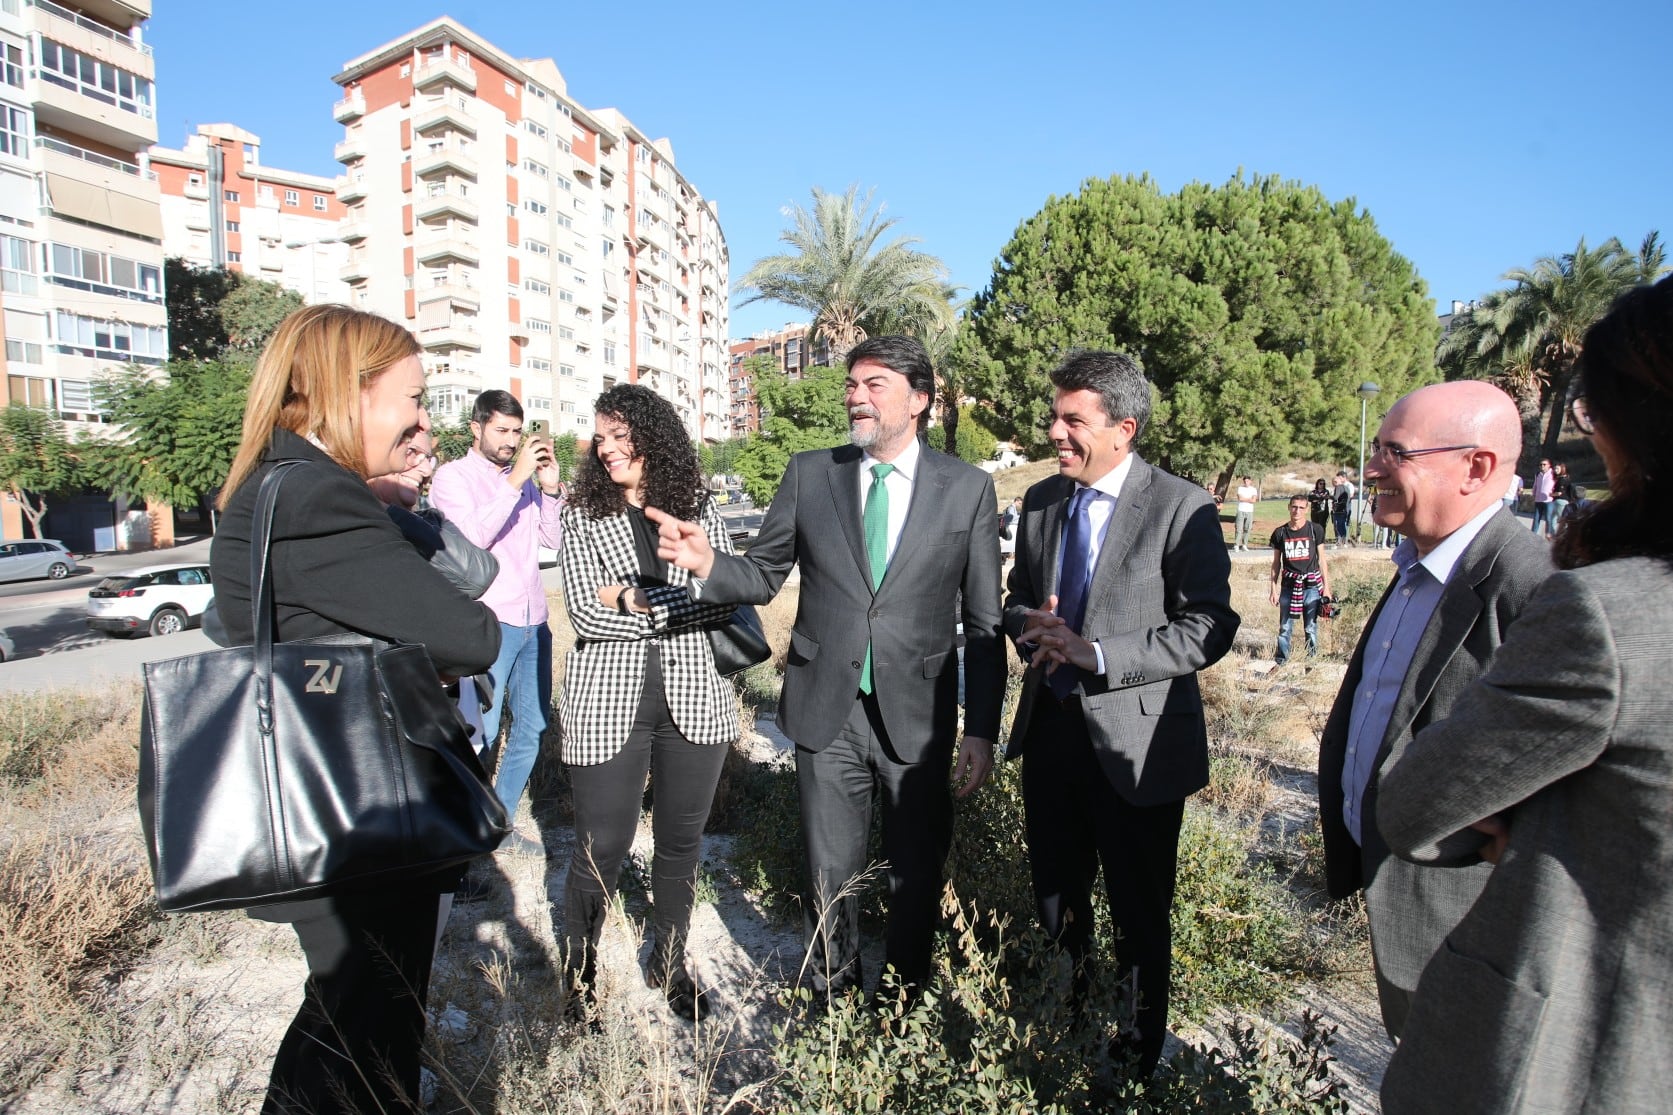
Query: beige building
x: 81, y: 252
x: 221, y: 207
x: 792, y: 351
x: 533, y: 244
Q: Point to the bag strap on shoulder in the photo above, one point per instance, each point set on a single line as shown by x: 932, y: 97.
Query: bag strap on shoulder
x: 261, y: 591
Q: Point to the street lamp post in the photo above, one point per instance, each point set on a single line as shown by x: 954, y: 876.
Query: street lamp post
x: 1367, y: 391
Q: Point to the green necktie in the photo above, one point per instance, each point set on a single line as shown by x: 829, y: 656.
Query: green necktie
x: 876, y: 522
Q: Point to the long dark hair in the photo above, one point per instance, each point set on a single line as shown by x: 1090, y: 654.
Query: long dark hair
x: 1626, y: 375
x: 673, y: 478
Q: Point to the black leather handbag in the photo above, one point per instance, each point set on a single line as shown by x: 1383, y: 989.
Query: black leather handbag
x: 739, y: 642
x: 285, y: 771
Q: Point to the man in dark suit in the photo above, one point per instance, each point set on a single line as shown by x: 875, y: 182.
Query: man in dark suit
x: 1119, y: 595
x: 896, y: 544
x: 1439, y: 466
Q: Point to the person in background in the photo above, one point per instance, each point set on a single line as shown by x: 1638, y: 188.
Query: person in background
x: 1341, y: 507
x: 1561, y: 496
x: 1555, y: 991
x: 1008, y: 520
x: 1247, y: 494
x: 1300, y: 577
x: 1318, y: 502
x: 1513, y: 494
x: 1545, y: 495
x: 342, y: 392
x: 505, y: 495
x: 1461, y: 577
x: 641, y: 696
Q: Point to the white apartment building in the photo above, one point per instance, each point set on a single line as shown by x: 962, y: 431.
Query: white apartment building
x: 532, y: 244
x: 81, y: 255
x: 222, y: 207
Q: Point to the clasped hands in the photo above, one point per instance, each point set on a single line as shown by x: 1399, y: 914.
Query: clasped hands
x: 1054, y: 642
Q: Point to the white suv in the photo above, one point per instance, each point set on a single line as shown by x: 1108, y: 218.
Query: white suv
x: 159, y: 599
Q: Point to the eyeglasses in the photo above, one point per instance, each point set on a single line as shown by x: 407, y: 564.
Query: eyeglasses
x: 1401, y: 456
x: 1582, y: 416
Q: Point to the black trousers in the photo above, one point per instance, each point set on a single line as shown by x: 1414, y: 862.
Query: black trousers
x: 838, y: 785
x: 354, y: 1045
x: 608, y: 797
x: 1075, y: 821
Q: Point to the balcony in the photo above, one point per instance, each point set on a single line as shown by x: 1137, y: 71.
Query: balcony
x: 351, y: 107
x: 441, y: 158
x: 66, y: 105
x: 357, y: 269
x: 351, y: 230
x: 450, y: 245
x: 90, y: 37
x: 445, y: 203
x: 59, y: 157
x: 457, y: 334
x: 441, y: 70
x: 449, y: 112
x: 350, y: 150
x: 351, y: 187
x: 459, y: 296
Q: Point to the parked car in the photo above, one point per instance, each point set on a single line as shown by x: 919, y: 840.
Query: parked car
x: 159, y: 599
x: 35, y: 557
x: 6, y: 647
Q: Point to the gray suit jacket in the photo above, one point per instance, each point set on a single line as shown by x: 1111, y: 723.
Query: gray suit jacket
x: 1411, y: 908
x: 1160, y: 607
x: 1555, y: 992
x: 945, y: 567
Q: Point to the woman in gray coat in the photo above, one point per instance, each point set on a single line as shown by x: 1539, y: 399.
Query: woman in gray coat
x: 1555, y: 993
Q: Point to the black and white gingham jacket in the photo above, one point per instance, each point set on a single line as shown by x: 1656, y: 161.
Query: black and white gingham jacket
x: 605, y: 672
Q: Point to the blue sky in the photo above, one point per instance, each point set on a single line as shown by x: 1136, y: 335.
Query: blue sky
x: 1479, y: 136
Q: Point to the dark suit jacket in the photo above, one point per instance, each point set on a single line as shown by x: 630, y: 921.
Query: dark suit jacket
x: 1160, y: 607
x: 945, y: 566
x: 1555, y: 992
x: 1412, y: 908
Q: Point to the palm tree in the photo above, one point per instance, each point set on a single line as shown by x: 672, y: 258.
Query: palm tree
x: 1529, y: 338
x: 852, y: 283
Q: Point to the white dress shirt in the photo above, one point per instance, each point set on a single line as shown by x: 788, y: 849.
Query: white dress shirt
x: 899, y: 486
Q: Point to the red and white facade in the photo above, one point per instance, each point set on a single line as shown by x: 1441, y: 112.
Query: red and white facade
x: 532, y: 244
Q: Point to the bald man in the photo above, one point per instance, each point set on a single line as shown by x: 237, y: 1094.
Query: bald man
x: 1439, y: 466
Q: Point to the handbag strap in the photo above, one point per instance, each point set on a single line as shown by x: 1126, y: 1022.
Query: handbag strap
x: 261, y: 591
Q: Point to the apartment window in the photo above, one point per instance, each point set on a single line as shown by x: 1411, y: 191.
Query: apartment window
x: 535, y: 247
x: 642, y: 153
x: 194, y: 180
x: 533, y: 206
x: 609, y: 352
x: 609, y: 216
x: 566, y: 370
x: 538, y: 93
x: 565, y: 333
x: 609, y: 246
x: 535, y: 286
x: 535, y: 128
x: 566, y: 295
x: 251, y: 153
x: 536, y: 364
x: 14, y: 132
x: 22, y: 352
x: 292, y: 198
x: 319, y: 203
x: 235, y: 257
x: 511, y: 88
x: 90, y: 77
x: 535, y: 402
x: 264, y: 193
x: 537, y: 169
x: 17, y: 266
x: 11, y: 64
x: 86, y: 269
x: 232, y: 226
x: 77, y: 395
x: 230, y: 195
x: 646, y: 217
x: 563, y: 183
x: 535, y: 325
x: 106, y: 339
x: 29, y: 391
x: 564, y: 220
x: 566, y: 259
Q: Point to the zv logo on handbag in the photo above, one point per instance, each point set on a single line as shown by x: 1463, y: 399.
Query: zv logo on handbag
x: 325, y: 678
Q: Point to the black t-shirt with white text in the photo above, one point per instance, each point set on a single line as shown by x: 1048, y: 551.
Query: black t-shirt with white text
x: 1300, y: 547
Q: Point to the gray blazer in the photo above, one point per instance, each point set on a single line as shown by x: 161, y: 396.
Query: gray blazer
x: 945, y: 567
x: 1412, y: 908
x: 1160, y: 607
x: 1555, y: 992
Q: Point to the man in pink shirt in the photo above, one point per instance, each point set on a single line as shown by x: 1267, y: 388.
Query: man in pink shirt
x: 504, y: 496
x: 1545, y: 494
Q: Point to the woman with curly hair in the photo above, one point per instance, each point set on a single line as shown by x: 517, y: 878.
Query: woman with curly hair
x: 641, y: 694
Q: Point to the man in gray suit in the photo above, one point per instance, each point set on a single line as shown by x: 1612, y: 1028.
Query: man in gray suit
x: 1119, y: 595
x: 1439, y: 466
x: 896, y: 543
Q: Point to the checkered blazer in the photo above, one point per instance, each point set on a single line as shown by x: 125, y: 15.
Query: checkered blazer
x: 604, y: 673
